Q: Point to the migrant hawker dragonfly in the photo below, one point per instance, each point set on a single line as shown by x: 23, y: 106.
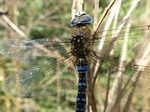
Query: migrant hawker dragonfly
x: 74, y: 60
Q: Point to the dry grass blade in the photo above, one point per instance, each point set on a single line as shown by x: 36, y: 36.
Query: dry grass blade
x: 104, y: 15
x: 77, y: 5
x: 14, y: 26
x: 114, y: 38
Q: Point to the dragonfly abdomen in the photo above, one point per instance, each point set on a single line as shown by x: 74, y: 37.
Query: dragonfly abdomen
x: 81, y: 97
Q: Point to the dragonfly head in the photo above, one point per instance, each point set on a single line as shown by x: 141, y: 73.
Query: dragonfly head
x: 81, y: 18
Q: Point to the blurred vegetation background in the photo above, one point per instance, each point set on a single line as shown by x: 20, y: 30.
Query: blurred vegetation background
x: 47, y: 18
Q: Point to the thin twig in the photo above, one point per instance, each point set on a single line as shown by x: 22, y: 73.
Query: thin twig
x: 14, y: 26
x: 118, y: 78
x: 96, y: 14
x: 115, y: 36
x: 76, y: 6
x: 101, y: 43
x: 107, y: 9
x: 127, y: 106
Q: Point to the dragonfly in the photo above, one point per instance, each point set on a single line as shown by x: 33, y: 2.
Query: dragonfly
x: 70, y: 64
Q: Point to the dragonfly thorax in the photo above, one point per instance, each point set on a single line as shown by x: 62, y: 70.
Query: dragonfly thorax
x: 80, y: 51
x: 78, y: 41
x: 81, y: 43
x: 79, y: 47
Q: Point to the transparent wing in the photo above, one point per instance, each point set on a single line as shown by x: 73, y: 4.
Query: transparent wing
x: 122, y: 62
x: 121, y: 32
x: 50, y: 79
x: 127, y: 87
x: 134, y: 33
x: 29, y: 51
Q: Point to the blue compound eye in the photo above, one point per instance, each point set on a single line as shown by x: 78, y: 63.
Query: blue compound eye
x: 81, y: 18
